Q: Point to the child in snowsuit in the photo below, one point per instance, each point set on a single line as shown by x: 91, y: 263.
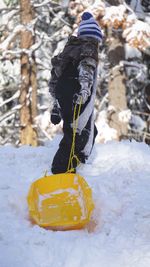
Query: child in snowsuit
x: 73, y: 82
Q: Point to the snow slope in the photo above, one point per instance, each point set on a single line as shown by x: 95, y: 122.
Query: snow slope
x: 119, y: 174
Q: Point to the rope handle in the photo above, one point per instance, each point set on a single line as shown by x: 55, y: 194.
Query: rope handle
x: 72, y: 154
x: 72, y: 151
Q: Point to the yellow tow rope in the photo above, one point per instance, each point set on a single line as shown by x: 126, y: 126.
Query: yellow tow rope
x: 72, y: 151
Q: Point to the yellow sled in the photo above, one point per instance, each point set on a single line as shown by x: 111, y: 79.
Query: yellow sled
x: 60, y: 201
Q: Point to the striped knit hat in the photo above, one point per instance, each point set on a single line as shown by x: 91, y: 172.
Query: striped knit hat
x: 89, y: 27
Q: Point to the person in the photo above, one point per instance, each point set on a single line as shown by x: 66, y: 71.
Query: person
x: 73, y: 83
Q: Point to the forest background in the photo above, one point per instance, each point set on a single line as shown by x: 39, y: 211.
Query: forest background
x: 32, y: 32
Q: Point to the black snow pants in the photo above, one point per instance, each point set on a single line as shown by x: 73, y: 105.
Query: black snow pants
x: 61, y: 158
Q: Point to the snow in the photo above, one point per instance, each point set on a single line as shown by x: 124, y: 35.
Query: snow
x: 117, y: 172
x: 114, y: 13
x: 105, y: 132
x: 137, y: 30
x: 137, y: 33
x: 132, y: 52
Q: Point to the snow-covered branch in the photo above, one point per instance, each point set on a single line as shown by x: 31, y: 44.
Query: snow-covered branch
x: 44, y: 3
x: 9, y: 113
x: 114, y: 16
x: 141, y: 72
x: 137, y: 33
x: 18, y: 52
x: 7, y: 9
x: 6, y: 18
x: 15, y: 96
x: 4, y: 45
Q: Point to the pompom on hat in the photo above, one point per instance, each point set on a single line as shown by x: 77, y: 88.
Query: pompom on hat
x: 88, y: 27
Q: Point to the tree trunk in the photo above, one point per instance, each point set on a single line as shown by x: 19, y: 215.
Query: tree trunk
x: 28, y: 93
x: 116, y: 86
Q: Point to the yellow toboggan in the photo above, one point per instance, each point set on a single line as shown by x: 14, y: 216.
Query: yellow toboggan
x: 61, y: 201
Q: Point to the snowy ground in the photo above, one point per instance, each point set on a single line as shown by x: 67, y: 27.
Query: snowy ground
x: 119, y: 174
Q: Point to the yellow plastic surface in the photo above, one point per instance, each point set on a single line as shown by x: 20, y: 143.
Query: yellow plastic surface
x: 60, y: 201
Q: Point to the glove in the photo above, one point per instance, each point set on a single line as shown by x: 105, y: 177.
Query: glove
x: 84, y: 93
x: 81, y: 98
x: 55, y: 114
